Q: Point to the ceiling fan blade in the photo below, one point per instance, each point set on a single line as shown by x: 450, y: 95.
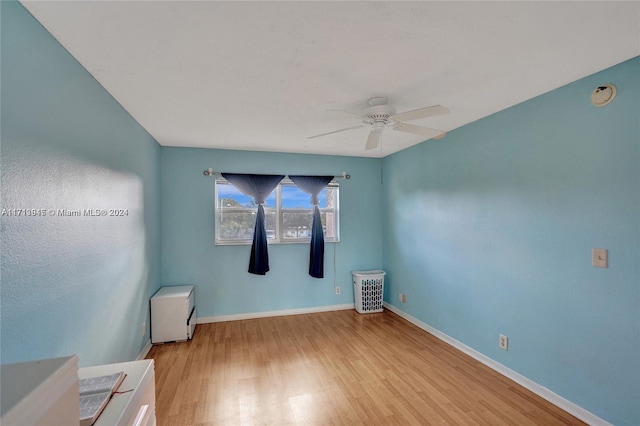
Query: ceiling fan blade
x: 336, y: 131
x: 374, y: 139
x: 420, y: 113
x: 419, y: 130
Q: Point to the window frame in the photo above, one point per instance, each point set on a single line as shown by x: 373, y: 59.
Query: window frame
x: 279, y: 211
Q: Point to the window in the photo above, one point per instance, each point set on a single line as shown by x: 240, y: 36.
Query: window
x: 288, y: 214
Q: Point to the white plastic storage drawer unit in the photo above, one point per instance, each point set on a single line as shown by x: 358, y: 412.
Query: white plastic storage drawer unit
x: 173, y: 314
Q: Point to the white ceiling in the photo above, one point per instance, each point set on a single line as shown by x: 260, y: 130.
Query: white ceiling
x: 262, y: 75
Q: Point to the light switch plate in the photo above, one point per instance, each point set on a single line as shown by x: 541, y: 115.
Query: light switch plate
x: 599, y: 257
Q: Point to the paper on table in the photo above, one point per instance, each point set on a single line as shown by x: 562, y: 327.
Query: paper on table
x: 95, y: 393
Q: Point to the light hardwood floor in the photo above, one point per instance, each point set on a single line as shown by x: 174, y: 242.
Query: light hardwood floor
x: 330, y: 368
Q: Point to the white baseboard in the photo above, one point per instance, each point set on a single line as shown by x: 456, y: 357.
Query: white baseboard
x: 539, y: 390
x: 253, y: 315
x: 145, y: 351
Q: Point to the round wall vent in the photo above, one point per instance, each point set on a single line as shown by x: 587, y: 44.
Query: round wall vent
x: 603, y: 95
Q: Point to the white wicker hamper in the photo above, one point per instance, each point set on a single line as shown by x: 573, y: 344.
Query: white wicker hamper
x: 368, y: 288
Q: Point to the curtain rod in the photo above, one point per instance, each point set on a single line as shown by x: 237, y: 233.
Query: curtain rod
x: 210, y: 172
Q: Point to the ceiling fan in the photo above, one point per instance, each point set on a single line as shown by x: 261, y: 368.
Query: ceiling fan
x: 379, y: 115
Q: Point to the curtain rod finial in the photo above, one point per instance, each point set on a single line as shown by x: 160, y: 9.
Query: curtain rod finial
x: 208, y: 172
x: 345, y: 175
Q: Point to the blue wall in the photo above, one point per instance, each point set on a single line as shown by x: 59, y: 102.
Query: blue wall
x: 72, y: 284
x: 223, y: 285
x: 490, y: 231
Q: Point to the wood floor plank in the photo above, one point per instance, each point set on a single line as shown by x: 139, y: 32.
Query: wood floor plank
x: 334, y: 368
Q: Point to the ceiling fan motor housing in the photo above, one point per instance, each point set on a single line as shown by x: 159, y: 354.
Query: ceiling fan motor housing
x: 378, y: 114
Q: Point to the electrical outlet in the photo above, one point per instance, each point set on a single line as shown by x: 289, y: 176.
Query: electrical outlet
x: 144, y: 328
x: 402, y: 297
x: 504, y: 342
x: 337, y: 290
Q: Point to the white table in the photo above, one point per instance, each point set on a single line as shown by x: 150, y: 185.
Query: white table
x: 137, y: 407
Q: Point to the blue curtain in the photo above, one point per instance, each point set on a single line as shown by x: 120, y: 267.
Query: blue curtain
x: 259, y: 187
x: 313, y: 185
